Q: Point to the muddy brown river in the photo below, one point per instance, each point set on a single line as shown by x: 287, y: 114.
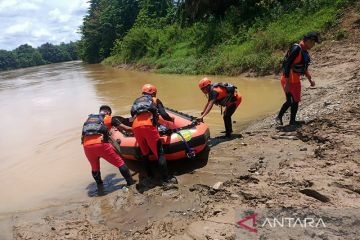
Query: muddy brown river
x: 42, y: 110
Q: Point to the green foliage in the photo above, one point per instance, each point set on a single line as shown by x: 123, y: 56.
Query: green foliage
x: 220, y: 37
x: 8, y: 60
x: 154, y: 14
x: 146, y: 42
x: 107, y: 20
x: 27, y: 56
x: 54, y: 54
x: 70, y: 48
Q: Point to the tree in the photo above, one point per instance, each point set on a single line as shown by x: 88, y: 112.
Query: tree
x: 28, y: 56
x: 155, y: 13
x: 106, y: 21
x: 8, y: 60
x: 53, y: 54
x: 71, y: 49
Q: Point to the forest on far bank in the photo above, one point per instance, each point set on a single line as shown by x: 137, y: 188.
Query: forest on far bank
x: 203, y: 36
x: 27, y: 56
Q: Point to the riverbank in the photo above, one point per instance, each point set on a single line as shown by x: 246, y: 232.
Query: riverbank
x: 314, y: 166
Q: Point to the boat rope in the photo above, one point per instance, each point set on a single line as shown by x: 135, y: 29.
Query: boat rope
x: 190, y: 153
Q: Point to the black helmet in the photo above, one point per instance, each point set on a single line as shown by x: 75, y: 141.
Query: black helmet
x: 105, y: 108
x: 312, y: 36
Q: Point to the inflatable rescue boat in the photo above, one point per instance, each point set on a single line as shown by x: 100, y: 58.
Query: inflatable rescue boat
x: 185, y: 138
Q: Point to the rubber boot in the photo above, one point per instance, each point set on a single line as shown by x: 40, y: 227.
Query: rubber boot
x: 168, y: 181
x: 294, y: 109
x: 289, y: 102
x: 97, y: 176
x: 162, y: 161
x: 124, y: 170
x: 147, y: 166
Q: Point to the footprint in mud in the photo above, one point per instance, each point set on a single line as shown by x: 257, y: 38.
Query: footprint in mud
x: 111, y: 184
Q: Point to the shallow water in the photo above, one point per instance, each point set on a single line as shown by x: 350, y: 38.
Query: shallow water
x: 43, y: 108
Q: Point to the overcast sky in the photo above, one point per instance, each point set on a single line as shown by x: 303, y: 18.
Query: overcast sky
x: 39, y: 21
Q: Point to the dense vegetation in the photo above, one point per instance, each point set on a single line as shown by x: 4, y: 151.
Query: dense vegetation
x: 201, y: 36
x: 27, y: 56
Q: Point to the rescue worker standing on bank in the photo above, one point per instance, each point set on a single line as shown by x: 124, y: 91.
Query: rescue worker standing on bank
x: 223, y: 94
x: 295, y: 64
x: 95, y: 140
x: 145, y: 111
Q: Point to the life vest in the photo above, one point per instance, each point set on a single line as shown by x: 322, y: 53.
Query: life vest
x: 225, y: 92
x: 96, y: 129
x: 144, y: 111
x: 301, y: 62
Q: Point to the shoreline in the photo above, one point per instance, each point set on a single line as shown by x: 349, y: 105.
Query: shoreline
x: 150, y: 69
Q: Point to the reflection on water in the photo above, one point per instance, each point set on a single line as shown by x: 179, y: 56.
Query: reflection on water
x: 43, y: 109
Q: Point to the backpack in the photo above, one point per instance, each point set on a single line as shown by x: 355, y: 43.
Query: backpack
x: 230, y: 89
x: 300, y: 67
x: 142, y: 104
x: 94, y: 125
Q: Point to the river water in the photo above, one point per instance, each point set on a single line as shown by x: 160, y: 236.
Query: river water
x: 42, y: 110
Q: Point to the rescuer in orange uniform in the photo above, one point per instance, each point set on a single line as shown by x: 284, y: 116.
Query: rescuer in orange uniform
x: 223, y: 94
x: 295, y: 64
x: 95, y: 140
x: 145, y: 111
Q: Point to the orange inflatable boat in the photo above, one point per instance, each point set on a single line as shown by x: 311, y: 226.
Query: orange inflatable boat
x: 185, y: 138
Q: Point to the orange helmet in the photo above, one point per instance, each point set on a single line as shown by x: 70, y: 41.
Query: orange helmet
x: 204, y: 83
x: 148, y: 88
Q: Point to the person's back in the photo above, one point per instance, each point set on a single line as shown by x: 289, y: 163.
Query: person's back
x: 95, y: 140
x: 95, y: 129
x: 223, y: 93
x: 145, y: 111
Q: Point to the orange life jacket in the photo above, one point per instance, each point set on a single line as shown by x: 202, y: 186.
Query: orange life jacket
x: 222, y: 93
x: 294, y: 77
x: 299, y: 66
x: 225, y: 92
x: 98, y: 138
x: 145, y: 118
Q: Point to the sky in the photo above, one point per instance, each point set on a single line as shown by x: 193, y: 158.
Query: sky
x: 39, y: 21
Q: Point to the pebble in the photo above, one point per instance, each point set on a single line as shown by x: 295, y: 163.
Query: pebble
x: 303, y: 149
x: 234, y: 195
x: 217, y: 185
x: 348, y: 173
x: 327, y: 103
